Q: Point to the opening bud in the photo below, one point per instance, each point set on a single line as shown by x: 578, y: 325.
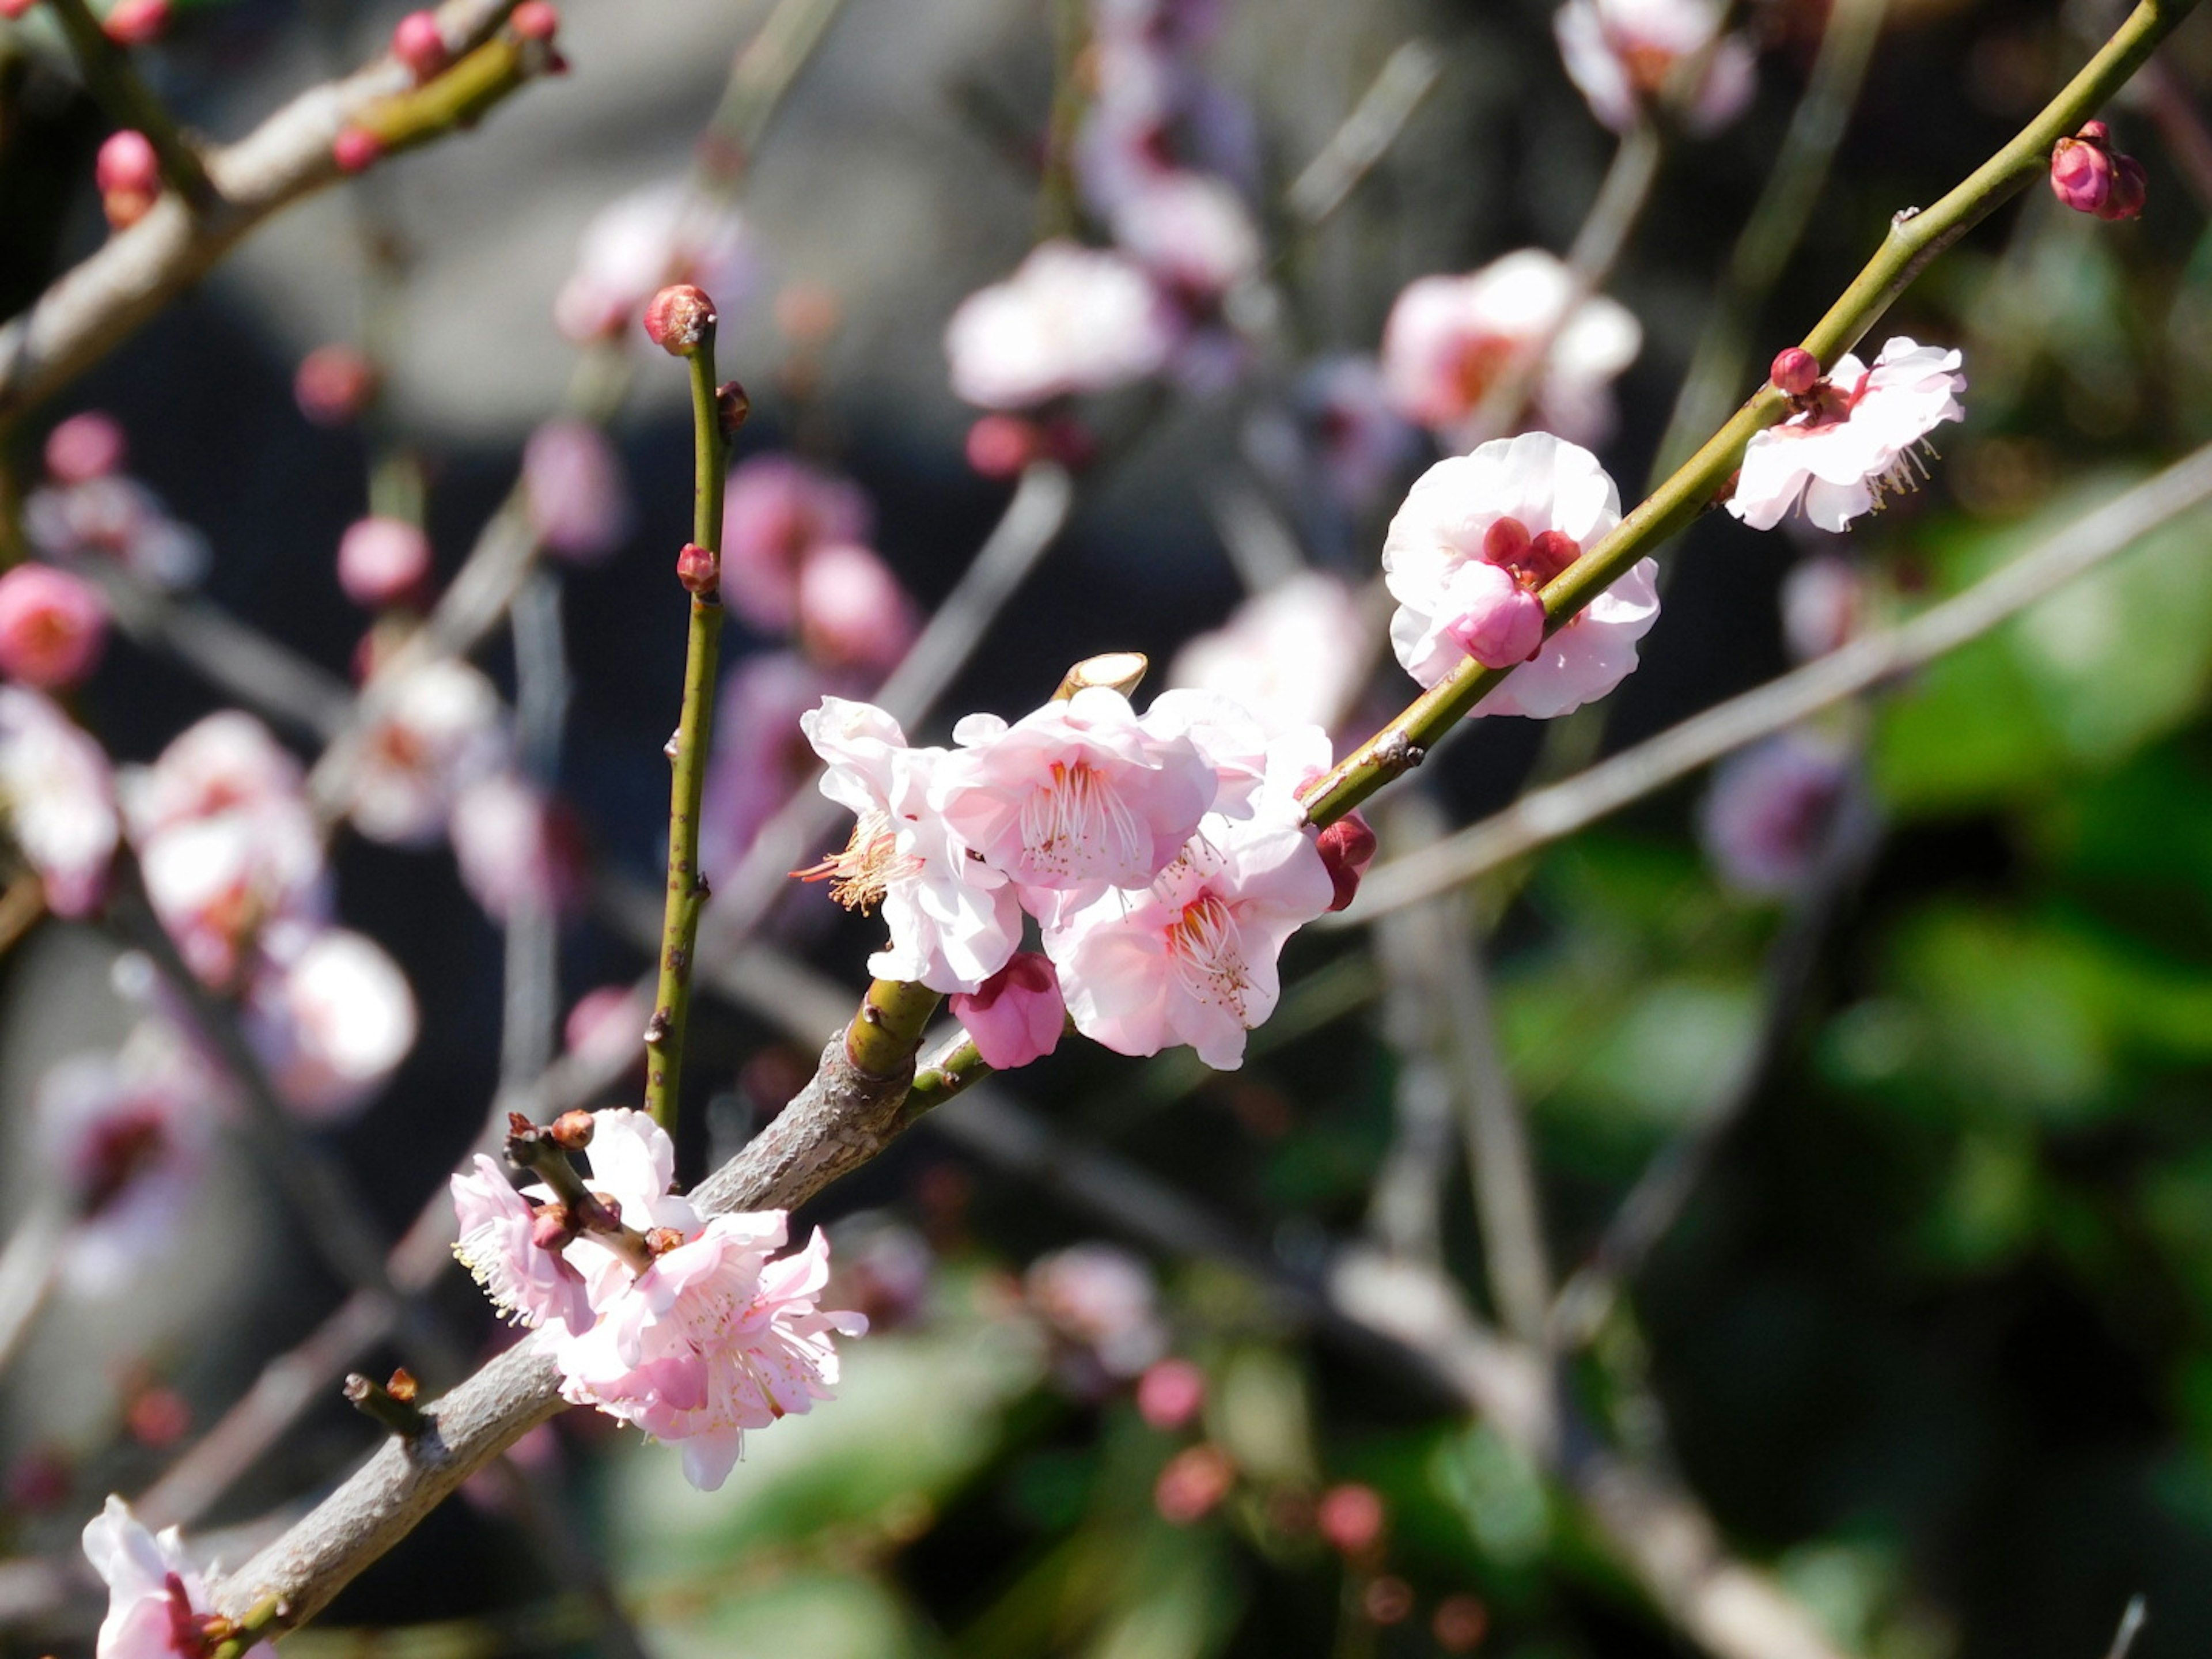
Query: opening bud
x: 572, y: 1130
x: 420, y: 45
x: 2081, y: 174
x: 2130, y: 184
x: 1347, y: 847
x: 700, y: 570
x: 1795, y: 371
x: 732, y: 407
x: 129, y: 174
x: 679, y: 319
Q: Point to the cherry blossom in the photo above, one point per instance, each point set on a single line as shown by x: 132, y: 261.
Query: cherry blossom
x: 1075, y: 793
x: 1851, y: 442
x: 528, y: 1285
x: 1622, y: 55
x: 53, y: 627
x: 776, y: 510
x: 661, y: 234
x: 1017, y: 1015
x: 158, y: 1604
x: 128, y: 1134
x: 437, y: 728
x: 57, y: 800
x: 1070, y: 319
x: 1293, y: 655
x: 330, y: 1015
x: 1449, y: 338
x: 953, y: 920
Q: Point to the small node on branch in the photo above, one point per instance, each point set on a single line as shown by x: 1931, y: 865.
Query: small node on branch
x: 129, y: 174
x: 732, y: 407
x: 680, y: 318
x: 392, y: 1405
x: 1795, y: 372
x: 420, y: 45
x: 1121, y: 670
x: 357, y: 149
x: 700, y: 569
x: 136, y: 22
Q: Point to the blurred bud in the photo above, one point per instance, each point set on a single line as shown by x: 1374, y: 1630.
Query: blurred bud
x: 136, y: 22
x: 333, y: 385
x: 1193, y: 1482
x: 1350, y: 1517
x: 1387, y: 1601
x: 1460, y: 1624
x: 1170, y: 1392
x: 679, y: 319
x: 159, y: 1416
x: 700, y: 570
x: 383, y: 561
x: 1795, y: 371
x: 355, y: 150
x: 84, y: 447
x: 129, y: 175
x: 39, y: 1479
x: 418, y: 43
x: 2130, y: 188
x: 732, y: 407
x: 53, y: 627
x: 1347, y: 847
x: 1000, y: 445
x: 535, y: 19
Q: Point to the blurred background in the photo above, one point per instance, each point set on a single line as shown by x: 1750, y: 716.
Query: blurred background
x: 1861, y: 1084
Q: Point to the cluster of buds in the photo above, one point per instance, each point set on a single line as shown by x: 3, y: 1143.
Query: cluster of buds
x: 2090, y: 176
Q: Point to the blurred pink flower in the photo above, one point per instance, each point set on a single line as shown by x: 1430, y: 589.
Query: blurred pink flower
x: 1170, y: 1392
x: 529, y: 1285
x: 437, y: 728
x: 637, y: 245
x: 1852, y: 442
x: 1623, y: 53
x: 605, y: 1021
x: 1767, y: 814
x: 157, y: 1603
x: 384, y: 561
x: 852, y: 611
x: 1350, y: 1517
x: 85, y: 446
x: 1191, y: 230
x: 1824, y: 604
x: 1017, y: 1016
x: 52, y: 626
x: 1100, y: 1299
x: 1361, y: 440
x: 515, y: 845
x: 776, y: 509
x: 57, y: 800
x: 580, y: 503
x: 121, y: 518
x: 1449, y: 338
x: 330, y: 1015
x: 1294, y: 655
x: 1070, y: 319
x: 761, y: 757
x: 128, y: 1136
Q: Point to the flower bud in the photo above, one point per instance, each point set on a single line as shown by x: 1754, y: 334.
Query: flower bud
x: 679, y: 319
x: 1000, y: 445
x: 420, y: 45
x: 357, y: 149
x: 333, y: 385
x: 700, y: 570
x: 1548, y: 555
x: 129, y: 174
x: 2130, y: 184
x: 572, y: 1130
x: 1795, y: 371
x: 1499, y: 623
x: 552, y: 1228
x: 2081, y: 174
x: 1350, y: 1517
x: 2096, y: 132
x: 136, y: 22
x: 383, y: 561
x: 534, y: 20
x: 83, y: 447
x: 1347, y: 847
x: 1016, y: 1015
x: 1506, y: 541
x: 1170, y: 1392
x: 732, y: 407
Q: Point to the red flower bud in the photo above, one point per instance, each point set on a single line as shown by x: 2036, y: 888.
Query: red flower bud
x: 355, y: 150
x: 1548, y: 554
x: 679, y: 319
x: 700, y: 570
x: 2081, y: 174
x: 1795, y: 371
x: 1000, y: 445
x: 419, y: 43
x: 333, y: 385
x: 1506, y: 541
x: 136, y: 22
x: 129, y: 174
x: 534, y: 20
x: 1347, y: 847
x: 2130, y: 186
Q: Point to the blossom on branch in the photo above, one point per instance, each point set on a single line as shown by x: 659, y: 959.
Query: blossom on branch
x: 1070, y: 319
x: 1624, y: 55
x: 1018, y: 1014
x: 157, y: 1605
x: 57, y: 800
x: 528, y: 1285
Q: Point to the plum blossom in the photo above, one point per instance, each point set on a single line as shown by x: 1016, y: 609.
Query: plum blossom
x: 953, y: 920
x: 1075, y: 793
x: 1191, y: 230
x: 57, y: 800
x: 1853, y: 441
x: 1478, y: 528
x: 1622, y: 54
x: 528, y: 1285
x: 1070, y: 319
x: 635, y: 246
x: 1359, y: 437
x: 158, y: 1606
x: 53, y: 627
x: 128, y: 1136
x: 776, y: 510
x: 1449, y: 338
x: 1017, y: 1015
x: 1100, y: 1301
x: 438, y: 727
x: 1293, y: 655
x: 330, y: 1015
x: 1767, y: 814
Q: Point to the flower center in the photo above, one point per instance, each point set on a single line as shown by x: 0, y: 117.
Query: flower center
x: 1209, y: 961
x: 860, y: 875
x: 1477, y: 363
x: 1078, y: 826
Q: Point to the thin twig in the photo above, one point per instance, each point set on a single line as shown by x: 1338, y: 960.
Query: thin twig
x: 1365, y: 137
x: 30, y: 1267
x: 2131, y: 1624
x: 1873, y: 661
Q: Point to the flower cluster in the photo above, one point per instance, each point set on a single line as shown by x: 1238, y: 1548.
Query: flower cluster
x: 1165, y: 858
x: 688, y: 1325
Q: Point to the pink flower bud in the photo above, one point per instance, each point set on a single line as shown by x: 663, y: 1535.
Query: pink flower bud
x: 700, y: 570
x: 1347, y: 847
x: 127, y: 162
x: 1549, y: 554
x: 1506, y: 541
x: 2081, y: 174
x: 1017, y: 1015
x: 83, y: 447
x: 417, y: 43
x: 1795, y: 371
x: 2130, y: 186
x: 1000, y: 445
x: 1350, y: 1517
x: 679, y: 319
x: 1170, y: 1392
x: 136, y: 22
x: 52, y: 626
x: 535, y: 19
x: 2096, y: 132
x: 333, y: 385
x: 552, y: 1228
x: 383, y: 561
x: 357, y: 149
x: 1495, y: 620
x: 852, y: 611
x: 1194, y: 1480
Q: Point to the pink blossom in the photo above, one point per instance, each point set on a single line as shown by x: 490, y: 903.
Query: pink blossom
x: 775, y: 511
x: 1191, y: 230
x: 1191, y: 958
x: 436, y: 727
x: 761, y: 757
x: 1293, y: 655
x: 1449, y: 338
x: 330, y: 1015
x: 1852, y: 443
x: 714, y: 1339
x: 128, y: 1136
x: 515, y: 845
x: 661, y: 234
x: 953, y: 920
x: 852, y: 611
x: 529, y: 1285
x: 57, y: 800
x: 1824, y: 604
x: 333, y: 385
x: 121, y: 518
x: 1623, y: 55
x: 579, y: 499
x: 1017, y: 1015
x: 1075, y: 793
x: 157, y: 1603
x: 1767, y: 814
x: 1070, y: 320
x: 1170, y: 1392
x: 84, y: 447
x: 52, y: 626
x: 383, y: 561
x: 1101, y: 1300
